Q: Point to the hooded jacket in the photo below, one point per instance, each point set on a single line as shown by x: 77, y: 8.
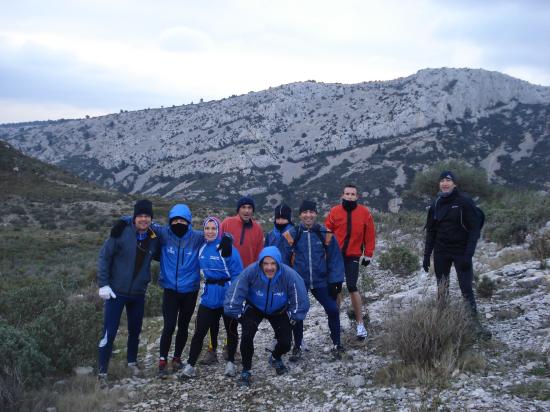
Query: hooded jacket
x: 452, y: 225
x: 116, y: 263
x: 284, y: 292
x: 318, y: 264
x: 216, y: 268
x: 179, y: 256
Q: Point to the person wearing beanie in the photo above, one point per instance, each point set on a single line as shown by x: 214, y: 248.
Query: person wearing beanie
x: 220, y: 264
x: 353, y: 226
x: 281, y: 223
x: 123, y: 273
x: 180, y: 279
x: 452, y: 231
x: 313, y: 252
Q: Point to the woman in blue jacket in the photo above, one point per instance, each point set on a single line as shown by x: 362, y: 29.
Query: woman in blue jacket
x: 220, y: 264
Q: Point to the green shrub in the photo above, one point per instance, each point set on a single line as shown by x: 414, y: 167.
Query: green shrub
x: 67, y: 333
x: 153, y: 301
x: 512, y: 215
x: 540, y: 246
x: 469, y: 179
x: 486, y: 287
x: 400, y: 260
x: 21, y: 363
x: 22, y: 305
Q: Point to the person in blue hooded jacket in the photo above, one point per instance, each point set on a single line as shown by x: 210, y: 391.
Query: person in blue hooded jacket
x: 313, y: 252
x: 267, y: 289
x: 219, y: 267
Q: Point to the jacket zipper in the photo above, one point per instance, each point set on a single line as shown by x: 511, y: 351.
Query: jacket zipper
x: 309, y: 257
x: 267, y: 296
x: 178, y: 263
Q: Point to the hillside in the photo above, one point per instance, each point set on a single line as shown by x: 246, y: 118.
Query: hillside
x: 307, y: 139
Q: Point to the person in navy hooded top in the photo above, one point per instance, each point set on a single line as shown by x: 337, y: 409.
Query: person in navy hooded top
x: 267, y: 289
x: 220, y: 263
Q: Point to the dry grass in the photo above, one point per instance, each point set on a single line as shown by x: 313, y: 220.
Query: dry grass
x: 429, y: 339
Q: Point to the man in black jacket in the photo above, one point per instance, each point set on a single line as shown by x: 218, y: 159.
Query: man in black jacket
x: 452, y: 231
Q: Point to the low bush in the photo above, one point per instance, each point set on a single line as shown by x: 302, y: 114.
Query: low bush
x: 429, y: 339
x: 22, y: 305
x: 486, y: 287
x: 22, y: 364
x: 67, y: 333
x: 400, y: 260
x: 540, y: 247
x: 153, y: 301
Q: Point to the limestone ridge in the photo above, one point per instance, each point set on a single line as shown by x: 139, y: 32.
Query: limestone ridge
x: 307, y: 139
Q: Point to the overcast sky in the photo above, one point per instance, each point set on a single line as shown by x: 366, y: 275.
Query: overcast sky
x: 65, y: 59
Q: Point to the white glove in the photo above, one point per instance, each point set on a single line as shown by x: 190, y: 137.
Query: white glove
x: 106, y: 293
x: 364, y: 260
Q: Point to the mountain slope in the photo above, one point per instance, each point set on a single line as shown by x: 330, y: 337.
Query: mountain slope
x: 307, y: 139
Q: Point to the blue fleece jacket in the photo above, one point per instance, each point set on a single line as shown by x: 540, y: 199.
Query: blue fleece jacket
x: 284, y: 292
x: 215, y: 268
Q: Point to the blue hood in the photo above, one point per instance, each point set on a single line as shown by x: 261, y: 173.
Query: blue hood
x: 272, y: 252
x: 180, y: 210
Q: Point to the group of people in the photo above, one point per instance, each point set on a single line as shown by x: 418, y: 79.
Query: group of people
x: 249, y: 276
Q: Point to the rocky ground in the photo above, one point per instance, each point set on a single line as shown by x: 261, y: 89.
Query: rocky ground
x: 512, y: 371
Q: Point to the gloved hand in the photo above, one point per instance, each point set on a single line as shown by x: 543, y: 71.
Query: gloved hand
x: 334, y: 289
x: 364, y: 260
x: 292, y: 322
x: 106, y: 293
x: 118, y: 228
x: 465, y: 263
x: 226, y: 246
x: 426, y: 264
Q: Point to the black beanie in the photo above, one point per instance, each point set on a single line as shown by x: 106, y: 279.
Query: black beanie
x: 245, y: 200
x: 447, y: 174
x: 284, y: 211
x: 143, y: 207
x: 308, y: 205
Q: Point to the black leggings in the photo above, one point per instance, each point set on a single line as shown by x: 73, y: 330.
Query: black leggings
x: 176, y: 308
x: 442, y: 267
x: 250, y: 320
x: 207, y: 318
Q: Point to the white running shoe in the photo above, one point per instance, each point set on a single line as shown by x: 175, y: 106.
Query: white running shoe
x: 230, y: 369
x: 361, y: 332
x: 188, y: 372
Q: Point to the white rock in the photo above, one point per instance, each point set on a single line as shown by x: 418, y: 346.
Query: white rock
x: 83, y: 370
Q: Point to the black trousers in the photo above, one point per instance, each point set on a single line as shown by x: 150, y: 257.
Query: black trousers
x: 442, y: 267
x: 176, y: 308
x: 250, y: 320
x: 207, y: 318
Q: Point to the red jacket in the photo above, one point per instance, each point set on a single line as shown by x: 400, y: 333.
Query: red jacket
x: 249, y: 240
x: 363, y: 235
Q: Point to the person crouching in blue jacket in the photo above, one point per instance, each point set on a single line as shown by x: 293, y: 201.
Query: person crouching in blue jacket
x: 220, y: 263
x: 267, y: 289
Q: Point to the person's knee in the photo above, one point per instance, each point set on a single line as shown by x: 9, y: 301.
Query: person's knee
x: 351, y: 288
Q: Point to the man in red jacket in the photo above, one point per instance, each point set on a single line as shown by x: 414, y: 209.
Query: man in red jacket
x: 354, y: 229
x: 248, y: 239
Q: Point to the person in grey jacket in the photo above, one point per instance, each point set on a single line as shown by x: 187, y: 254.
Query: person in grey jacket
x: 123, y: 273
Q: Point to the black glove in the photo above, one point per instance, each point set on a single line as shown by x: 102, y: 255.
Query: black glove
x: 334, y: 289
x: 426, y: 264
x: 118, y: 228
x: 226, y: 246
x: 465, y: 263
x: 365, y: 260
